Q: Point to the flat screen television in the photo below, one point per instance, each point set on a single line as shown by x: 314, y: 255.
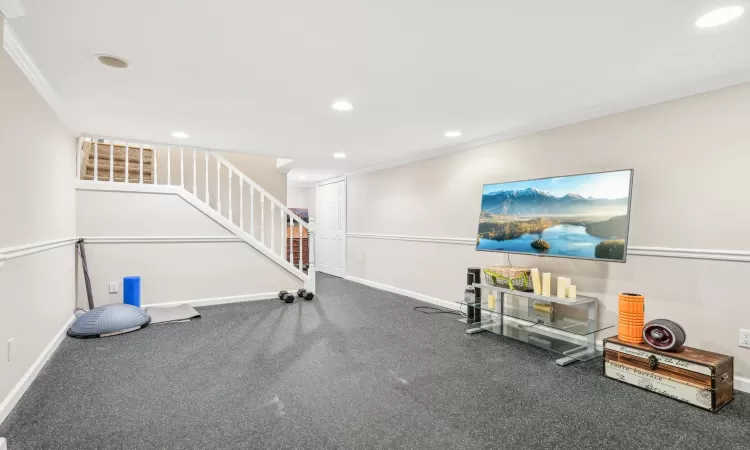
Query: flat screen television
x: 576, y: 216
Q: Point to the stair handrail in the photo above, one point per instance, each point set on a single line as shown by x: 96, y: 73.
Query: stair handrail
x: 259, y: 188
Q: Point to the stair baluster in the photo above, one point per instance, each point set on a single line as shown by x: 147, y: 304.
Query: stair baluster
x: 252, y: 211
x: 127, y: 160
x: 182, y: 169
x: 229, y: 195
x: 207, y: 200
x: 218, y: 186
x: 242, y: 213
x: 140, y: 173
x: 195, y: 173
x: 111, y: 162
x: 96, y: 160
x: 169, y: 166
x: 262, y: 219
x: 272, y: 215
x: 291, y: 240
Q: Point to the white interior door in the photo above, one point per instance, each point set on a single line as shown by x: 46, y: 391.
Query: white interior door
x: 331, y: 228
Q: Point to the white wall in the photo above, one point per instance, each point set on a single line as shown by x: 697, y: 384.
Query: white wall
x: 169, y: 271
x: 302, y: 197
x: 37, y: 203
x: 690, y: 158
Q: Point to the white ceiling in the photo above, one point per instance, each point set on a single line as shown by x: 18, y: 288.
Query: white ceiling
x: 260, y: 76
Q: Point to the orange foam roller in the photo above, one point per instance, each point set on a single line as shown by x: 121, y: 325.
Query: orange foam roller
x: 631, y: 318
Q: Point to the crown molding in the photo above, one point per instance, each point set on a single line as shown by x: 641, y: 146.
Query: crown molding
x: 11, y: 9
x: 18, y: 53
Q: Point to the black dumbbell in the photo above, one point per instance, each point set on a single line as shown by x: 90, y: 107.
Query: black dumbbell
x: 282, y: 294
x: 286, y: 296
x: 303, y: 293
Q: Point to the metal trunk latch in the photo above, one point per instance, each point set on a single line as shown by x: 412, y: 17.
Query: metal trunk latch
x: 653, y: 362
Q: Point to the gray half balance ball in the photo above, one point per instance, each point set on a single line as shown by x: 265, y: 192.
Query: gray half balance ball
x: 109, y: 320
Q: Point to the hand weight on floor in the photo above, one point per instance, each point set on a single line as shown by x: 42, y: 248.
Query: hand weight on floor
x: 286, y: 296
x: 303, y: 293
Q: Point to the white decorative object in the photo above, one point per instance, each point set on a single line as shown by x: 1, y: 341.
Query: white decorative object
x: 546, y: 283
x: 572, y: 291
x: 536, y: 281
x: 562, y: 285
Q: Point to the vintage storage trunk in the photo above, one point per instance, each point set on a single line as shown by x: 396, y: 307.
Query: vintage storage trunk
x: 703, y: 379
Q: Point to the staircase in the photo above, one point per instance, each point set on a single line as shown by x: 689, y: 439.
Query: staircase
x: 106, y: 161
x: 210, y: 183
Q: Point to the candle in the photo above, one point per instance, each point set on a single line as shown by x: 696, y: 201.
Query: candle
x: 546, y: 281
x: 572, y: 291
x: 536, y: 282
x: 491, y: 301
x: 561, y: 285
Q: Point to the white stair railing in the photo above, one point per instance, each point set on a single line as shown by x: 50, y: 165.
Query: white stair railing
x: 294, y: 243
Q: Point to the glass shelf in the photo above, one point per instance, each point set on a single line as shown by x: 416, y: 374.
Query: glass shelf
x: 556, y: 320
x: 542, y: 338
x: 579, y: 300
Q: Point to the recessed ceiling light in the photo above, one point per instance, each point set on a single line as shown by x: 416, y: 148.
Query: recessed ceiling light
x: 180, y: 135
x: 719, y: 16
x: 452, y: 133
x: 339, y: 155
x: 113, y: 61
x: 342, y: 105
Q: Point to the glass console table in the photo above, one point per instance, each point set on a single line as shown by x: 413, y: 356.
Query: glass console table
x: 562, y: 325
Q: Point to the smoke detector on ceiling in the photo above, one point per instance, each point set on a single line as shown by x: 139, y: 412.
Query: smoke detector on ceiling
x: 112, y: 61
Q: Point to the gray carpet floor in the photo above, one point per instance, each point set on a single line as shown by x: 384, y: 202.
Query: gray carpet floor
x: 357, y: 368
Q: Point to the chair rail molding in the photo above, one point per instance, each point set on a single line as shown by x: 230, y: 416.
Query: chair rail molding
x: 636, y: 250
x: 8, y: 253
x: 160, y: 239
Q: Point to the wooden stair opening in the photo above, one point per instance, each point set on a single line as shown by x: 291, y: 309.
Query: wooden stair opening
x: 118, y: 160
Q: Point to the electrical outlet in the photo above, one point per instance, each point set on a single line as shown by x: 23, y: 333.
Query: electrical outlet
x: 113, y: 287
x: 10, y: 349
x: 744, y: 338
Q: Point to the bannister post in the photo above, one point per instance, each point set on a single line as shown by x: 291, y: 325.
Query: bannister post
x: 282, y: 236
x: 310, y: 283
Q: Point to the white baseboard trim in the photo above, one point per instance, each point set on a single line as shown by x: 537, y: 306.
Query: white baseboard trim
x: 3, y: 444
x: 412, y: 294
x: 23, y: 384
x: 742, y: 384
x: 223, y: 300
